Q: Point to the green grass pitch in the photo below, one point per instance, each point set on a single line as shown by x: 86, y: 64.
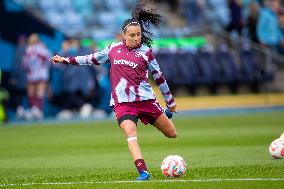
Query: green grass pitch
x: 220, y: 152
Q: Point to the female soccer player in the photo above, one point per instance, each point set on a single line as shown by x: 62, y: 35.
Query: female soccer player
x: 35, y: 61
x: 132, y: 97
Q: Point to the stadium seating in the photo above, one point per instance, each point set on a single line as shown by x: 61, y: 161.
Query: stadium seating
x: 227, y: 65
x: 187, y: 69
x: 213, y: 67
x: 207, y: 66
x: 249, y: 69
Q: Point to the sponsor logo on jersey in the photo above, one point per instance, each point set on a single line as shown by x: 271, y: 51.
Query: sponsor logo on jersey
x: 125, y: 62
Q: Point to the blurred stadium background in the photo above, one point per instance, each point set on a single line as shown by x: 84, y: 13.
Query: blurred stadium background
x: 213, y: 53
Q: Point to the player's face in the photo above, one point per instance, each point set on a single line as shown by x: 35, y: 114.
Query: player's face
x: 132, y: 36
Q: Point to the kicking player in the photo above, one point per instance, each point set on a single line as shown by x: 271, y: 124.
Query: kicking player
x: 132, y: 97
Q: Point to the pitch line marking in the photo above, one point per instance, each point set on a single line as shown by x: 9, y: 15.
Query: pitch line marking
x: 152, y: 181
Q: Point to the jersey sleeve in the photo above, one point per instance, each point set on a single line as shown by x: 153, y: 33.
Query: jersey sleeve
x: 160, y: 80
x: 95, y: 58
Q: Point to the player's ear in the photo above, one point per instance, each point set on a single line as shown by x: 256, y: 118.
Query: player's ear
x: 124, y: 35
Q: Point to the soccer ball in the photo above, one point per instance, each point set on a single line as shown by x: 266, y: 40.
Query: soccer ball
x: 173, y: 166
x: 276, y: 148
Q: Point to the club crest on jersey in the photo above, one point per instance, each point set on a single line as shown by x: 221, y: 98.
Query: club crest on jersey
x: 137, y: 54
x: 125, y: 62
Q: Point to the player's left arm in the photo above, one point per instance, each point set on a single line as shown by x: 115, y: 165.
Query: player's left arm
x: 160, y: 80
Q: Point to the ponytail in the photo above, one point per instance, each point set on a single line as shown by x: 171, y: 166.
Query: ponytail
x: 144, y: 16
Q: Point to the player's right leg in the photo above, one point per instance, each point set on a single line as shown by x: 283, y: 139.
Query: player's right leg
x: 130, y: 131
x: 40, y: 93
x: 129, y: 128
x: 31, y: 88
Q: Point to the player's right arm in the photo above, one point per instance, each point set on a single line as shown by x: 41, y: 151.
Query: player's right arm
x: 96, y: 58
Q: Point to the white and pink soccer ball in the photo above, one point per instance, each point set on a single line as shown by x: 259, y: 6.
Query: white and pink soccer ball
x: 276, y: 148
x: 173, y: 166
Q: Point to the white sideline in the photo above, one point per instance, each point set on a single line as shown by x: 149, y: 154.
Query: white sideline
x: 152, y: 181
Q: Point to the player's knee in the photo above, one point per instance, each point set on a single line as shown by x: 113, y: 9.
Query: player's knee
x: 130, y: 131
x: 172, y: 134
x: 129, y: 127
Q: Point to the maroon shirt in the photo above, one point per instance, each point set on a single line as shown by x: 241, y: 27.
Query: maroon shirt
x: 128, y: 72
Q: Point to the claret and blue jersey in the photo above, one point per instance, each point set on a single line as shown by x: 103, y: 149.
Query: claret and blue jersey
x: 128, y: 72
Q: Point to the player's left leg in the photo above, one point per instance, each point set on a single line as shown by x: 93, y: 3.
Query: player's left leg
x: 163, y: 124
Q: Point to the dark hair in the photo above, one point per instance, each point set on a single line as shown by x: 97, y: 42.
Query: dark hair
x: 145, y: 16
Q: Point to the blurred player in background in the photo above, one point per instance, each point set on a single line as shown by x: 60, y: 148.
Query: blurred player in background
x: 36, y: 64
x: 132, y: 97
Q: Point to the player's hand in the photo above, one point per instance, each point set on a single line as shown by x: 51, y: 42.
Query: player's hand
x: 173, y: 108
x: 57, y: 59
